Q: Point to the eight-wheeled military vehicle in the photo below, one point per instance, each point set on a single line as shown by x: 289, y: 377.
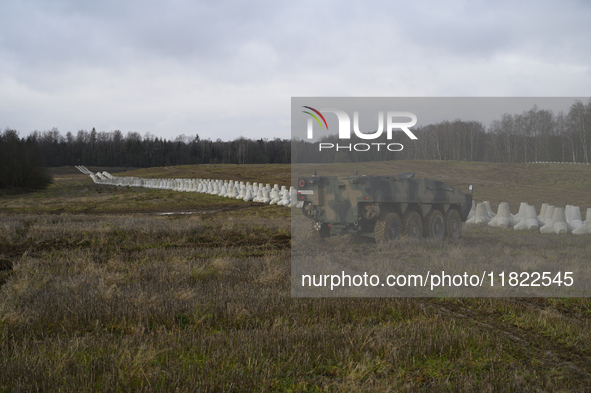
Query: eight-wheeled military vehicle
x: 383, y: 207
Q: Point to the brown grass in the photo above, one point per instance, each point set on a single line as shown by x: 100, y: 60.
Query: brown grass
x: 100, y: 301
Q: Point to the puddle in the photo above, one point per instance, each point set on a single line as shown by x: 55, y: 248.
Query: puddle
x: 197, y: 212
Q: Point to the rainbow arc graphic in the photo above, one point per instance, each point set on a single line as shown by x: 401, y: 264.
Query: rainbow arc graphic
x: 315, y: 117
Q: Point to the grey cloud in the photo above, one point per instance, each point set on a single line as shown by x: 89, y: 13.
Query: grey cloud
x: 170, y: 67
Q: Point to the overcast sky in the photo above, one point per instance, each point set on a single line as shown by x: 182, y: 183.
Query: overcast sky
x: 224, y: 69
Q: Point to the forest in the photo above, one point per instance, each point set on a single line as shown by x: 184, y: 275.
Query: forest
x: 534, y: 135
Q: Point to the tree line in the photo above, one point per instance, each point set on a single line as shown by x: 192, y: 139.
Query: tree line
x: 20, y: 163
x: 534, y: 135
x: 114, y: 149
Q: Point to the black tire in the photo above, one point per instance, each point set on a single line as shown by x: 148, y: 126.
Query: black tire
x: 453, y: 224
x: 308, y: 210
x: 388, y: 228
x: 320, y: 230
x: 412, y: 225
x: 434, y: 227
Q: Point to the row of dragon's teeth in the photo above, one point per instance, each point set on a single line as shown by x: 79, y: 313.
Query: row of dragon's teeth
x: 248, y: 192
x: 552, y: 219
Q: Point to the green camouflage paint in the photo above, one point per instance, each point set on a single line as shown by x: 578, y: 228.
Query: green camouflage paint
x: 342, y: 202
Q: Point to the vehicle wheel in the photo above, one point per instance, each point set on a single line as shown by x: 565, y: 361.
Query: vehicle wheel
x: 412, y: 225
x: 308, y: 210
x: 453, y: 224
x: 388, y: 228
x: 434, y: 225
x: 321, y: 230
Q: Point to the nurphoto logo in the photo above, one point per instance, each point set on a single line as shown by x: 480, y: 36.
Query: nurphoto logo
x: 345, y: 128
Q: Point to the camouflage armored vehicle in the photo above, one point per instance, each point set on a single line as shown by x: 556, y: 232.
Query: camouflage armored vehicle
x: 383, y: 207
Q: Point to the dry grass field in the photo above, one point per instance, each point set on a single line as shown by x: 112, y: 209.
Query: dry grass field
x: 99, y: 292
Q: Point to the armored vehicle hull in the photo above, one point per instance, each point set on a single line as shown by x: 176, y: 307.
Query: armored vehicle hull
x: 383, y: 207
